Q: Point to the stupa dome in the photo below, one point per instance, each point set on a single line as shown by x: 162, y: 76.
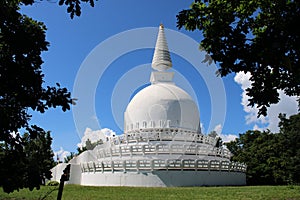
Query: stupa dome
x: 162, y: 105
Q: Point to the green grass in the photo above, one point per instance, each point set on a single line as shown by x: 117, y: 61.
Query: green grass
x: 73, y: 192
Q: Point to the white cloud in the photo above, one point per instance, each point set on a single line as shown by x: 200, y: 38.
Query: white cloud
x: 218, y: 129
x: 228, y: 137
x: 95, y: 136
x: 61, y: 154
x: 287, y: 105
x: 257, y: 128
x: 243, y: 79
x: 225, y: 137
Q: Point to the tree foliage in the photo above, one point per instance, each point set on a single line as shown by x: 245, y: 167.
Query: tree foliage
x: 22, y: 90
x: 289, y: 129
x: 28, y: 167
x: 260, y: 37
x: 219, y: 142
x: 271, y: 158
x: 89, y: 145
x: 73, y: 6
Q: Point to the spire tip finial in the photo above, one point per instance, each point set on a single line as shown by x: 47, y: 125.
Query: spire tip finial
x: 161, y: 59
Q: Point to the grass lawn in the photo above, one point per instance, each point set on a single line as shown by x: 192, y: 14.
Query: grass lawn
x: 73, y: 192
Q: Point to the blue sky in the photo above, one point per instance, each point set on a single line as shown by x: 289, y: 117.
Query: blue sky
x: 73, y: 41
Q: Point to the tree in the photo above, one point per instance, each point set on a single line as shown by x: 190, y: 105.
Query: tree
x: 260, y: 151
x: 69, y: 157
x: 214, y: 134
x: 39, y: 155
x: 89, y: 145
x: 260, y: 37
x: 73, y: 6
x: 81, y: 149
x: 271, y: 158
x: 289, y: 129
x: 22, y: 40
x: 29, y: 166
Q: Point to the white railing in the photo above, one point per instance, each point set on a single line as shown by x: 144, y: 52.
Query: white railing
x: 165, y: 134
x: 159, y: 164
x: 171, y: 149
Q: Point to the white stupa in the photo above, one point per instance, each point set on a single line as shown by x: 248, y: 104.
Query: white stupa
x: 162, y: 144
x: 162, y: 104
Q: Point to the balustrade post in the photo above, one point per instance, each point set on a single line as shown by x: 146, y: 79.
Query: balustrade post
x: 233, y: 166
x: 130, y: 150
x: 88, y: 166
x: 94, y: 166
x: 167, y: 164
x: 143, y: 149
x: 138, y: 165
x: 152, y: 165
x: 181, y: 164
x: 229, y: 166
x: 112, y: 166
x: 124, y: 166
x: 102, y: 167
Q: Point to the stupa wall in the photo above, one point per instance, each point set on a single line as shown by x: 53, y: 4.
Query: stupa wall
x: 164, y: 178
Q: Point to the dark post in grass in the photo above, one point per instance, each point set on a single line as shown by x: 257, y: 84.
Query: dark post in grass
x: 64, y: 177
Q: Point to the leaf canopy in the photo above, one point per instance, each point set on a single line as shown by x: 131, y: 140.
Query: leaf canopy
x: 256, y: 36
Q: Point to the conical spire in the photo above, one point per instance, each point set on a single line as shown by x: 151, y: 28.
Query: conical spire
x: 161, y: 59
